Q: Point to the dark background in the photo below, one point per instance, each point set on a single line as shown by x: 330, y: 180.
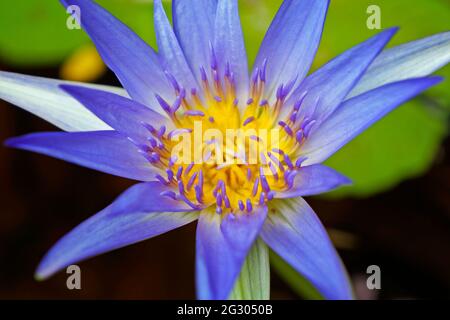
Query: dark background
x: 405, y: 230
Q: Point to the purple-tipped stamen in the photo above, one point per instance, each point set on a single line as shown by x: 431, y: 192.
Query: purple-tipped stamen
x: 262, y: 72
x: 176, y: 105
x: 241, y: 205
x: 203, y: 74
x: 264, y: 103
x: 152, y: 142
x: 274, y: 170
x: 155, y: 157
x: 188, y: 202
x: 192, y: 180
x: 219, y: 199
x: 288, y: 161
x: 161, y: 179
x: 249, y: 173
x: 262, y: 198
x: 181, y: 187
x: 188, y: 169
x: 147, y: 156
x: 161, y: 131
x: 172, y: 81
x: 255, y: 186
x: 198, y: 193
x: 163, y: 103
x: 172, y: 161
x: 169, y: 194
x: 169, y: 174
x: 300, y: 161
x: 194, y: 113
x: 149, y: 127
x: 308, y: 127
x: 299, y: 136
x: 249, y: 206
x: 255, y: 76
x: 214, y: 64
x: 179, y: 172
x: 286, y: 127
x: 178, y: 132
x: 264, y: 184
x: 226, y: 201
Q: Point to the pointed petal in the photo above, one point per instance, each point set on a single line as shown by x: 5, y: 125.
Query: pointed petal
x: 193, y: 22
x: 122, y: 114
x: 169, y: 49
x: 296, y: 234
x: 357, y: 114
x: 314, y: 180
x: 292, y: 40
x: 133, y: 61
x: 331, y: 84
x: 229, y: 45
x: 44, y: 98
x: 105, y: 151
x: 138, y: 214
x: 415, y: 59
x: 222, y: 246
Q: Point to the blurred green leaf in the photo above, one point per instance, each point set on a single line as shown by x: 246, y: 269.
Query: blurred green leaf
x: 400, y: 146
x: 404, y: 144
x: 34, y: 32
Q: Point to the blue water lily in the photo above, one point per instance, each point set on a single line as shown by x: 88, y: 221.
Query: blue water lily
x: 200, y: 76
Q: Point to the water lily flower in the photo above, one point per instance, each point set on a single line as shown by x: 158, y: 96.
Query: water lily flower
x: 200, y: 74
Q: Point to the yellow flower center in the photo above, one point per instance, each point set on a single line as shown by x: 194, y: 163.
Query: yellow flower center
x: 232, y: 154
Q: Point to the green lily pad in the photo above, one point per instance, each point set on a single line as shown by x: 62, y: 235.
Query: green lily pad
x: 400, y: 146
x: 404, y: 144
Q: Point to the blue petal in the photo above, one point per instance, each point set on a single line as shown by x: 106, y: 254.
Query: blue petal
x: 44, y: 98
x: 295, y: 233
x: 326, y: 88
x: 193, y: 22
x: 106, y: 151
x: 229, y: 45
x: 292, y: 40
x: 133, y: 61
x: 172, y: 56
x: 122, y: 114
x: 414, y: 59
x: 138, y: 214
x: 222, y: 246
x: 357, y: 114
x: 314, y: 180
